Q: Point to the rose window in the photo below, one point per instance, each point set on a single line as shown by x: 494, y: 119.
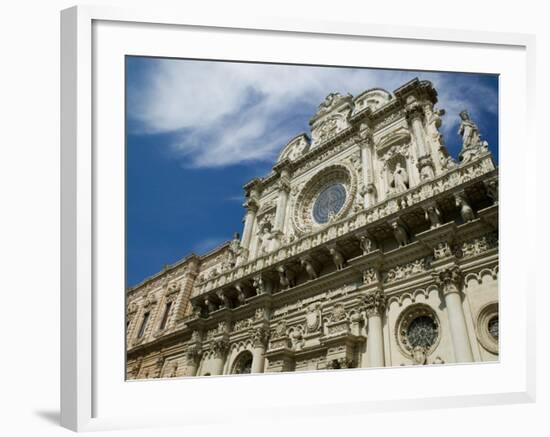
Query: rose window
x: 327, y: 196
x: 329, y: 202
x: 418, y: 326
x: 422, y: 331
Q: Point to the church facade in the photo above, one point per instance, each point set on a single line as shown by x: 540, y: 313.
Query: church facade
x: 367, y: 245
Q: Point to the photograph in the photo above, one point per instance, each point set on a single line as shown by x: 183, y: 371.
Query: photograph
x: 290, y: 218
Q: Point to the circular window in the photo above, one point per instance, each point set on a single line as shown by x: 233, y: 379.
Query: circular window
x: 329, y: 193
x: 487, y: 328
x: 493, y: 327
x: 417, y: 326
x: 329, y: 202
x: 422, y: 331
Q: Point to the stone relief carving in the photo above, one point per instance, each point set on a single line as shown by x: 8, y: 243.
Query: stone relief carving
x: 374, y: 302
x: 442, y: 250
x: 370, y: 276
x: 313, y: 318
x: 338, y: 313
x: 398, y: 273
x: 417, y: 194
x: 241, y: 325
x: 479, y: 245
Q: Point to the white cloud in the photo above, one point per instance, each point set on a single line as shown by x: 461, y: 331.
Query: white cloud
x: 206, y: 245
x: 229, y: 113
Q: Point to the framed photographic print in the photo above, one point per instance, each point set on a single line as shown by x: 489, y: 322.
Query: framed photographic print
x: 326, y: 213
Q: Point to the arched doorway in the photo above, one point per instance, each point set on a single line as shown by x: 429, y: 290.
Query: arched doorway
x: 243, y: 363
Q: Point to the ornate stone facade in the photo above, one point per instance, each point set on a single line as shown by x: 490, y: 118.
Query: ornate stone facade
x: 366, y: 246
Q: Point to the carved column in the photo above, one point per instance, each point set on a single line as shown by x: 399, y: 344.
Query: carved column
x: 449, y: 282
x: 219, y: 348
x: 415, y: 114
x: 192, y: 355
x: 251, y: 206
x: 259, y: 340
x: 368, y: 172
x: 184, y: 296
x: 280, y: 214
x: 375, y: 304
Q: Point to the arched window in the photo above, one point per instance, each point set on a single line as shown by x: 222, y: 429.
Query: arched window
x: 243, y: 363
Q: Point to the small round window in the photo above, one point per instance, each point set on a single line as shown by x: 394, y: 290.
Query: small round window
x: 418, y: 326
x: 493, y: 327
x: 422, y: 331
x: 329, y: 202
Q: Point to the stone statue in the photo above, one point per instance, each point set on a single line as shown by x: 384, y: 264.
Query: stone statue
x: 286, y: 277
x: 400, y: 178
x: 472, y: 145
x: 419, y: 355
x: 446, y: 160
x: 265, y: 240
x: 235, y: 249
x: 433, y: 215
x: 338, y: 258
x: 309, y: 267
x: 466, y: 210
x: 400, y: 233
x: 366, y: 243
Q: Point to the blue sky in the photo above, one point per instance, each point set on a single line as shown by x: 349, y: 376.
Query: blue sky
x: 197, y: 131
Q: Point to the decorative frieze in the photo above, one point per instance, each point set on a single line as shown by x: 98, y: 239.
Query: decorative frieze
x: 427, y: 189
x: 405, y: 271
x: 479, y: 245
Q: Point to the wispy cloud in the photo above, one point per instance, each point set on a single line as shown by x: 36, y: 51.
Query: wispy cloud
x: 223, y: 113
x: 208, y: 244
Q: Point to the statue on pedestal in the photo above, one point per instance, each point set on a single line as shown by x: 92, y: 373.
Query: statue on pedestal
x: 400, y: 180
x: 472, y: 145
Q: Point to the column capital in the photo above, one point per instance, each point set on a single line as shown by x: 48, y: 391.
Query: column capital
x: 192, y: 353
x: 448, y: 280
x: 414, y: 112
x: 251, y: 204
x: 219, y: 347
x: 283, y: 184
x: 375, y: 302
x: 259, y: 336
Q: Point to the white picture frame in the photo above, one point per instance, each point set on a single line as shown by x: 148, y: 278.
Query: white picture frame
x: 90, y: 397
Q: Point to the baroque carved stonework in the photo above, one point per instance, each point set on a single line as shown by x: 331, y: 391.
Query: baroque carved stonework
x: 417, y: 332
x: 374, y: 302
x: 341, y: 175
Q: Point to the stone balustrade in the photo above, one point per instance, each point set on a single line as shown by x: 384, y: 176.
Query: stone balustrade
x: 446, y: 182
